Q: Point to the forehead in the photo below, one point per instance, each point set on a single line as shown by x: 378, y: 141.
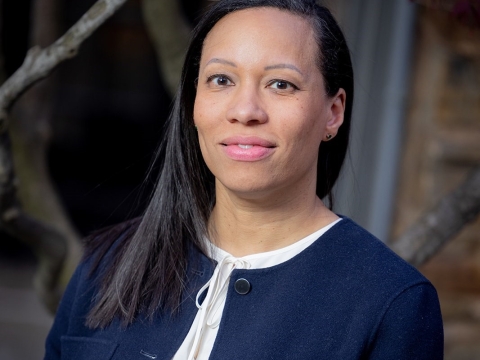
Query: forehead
x: 256, y: 33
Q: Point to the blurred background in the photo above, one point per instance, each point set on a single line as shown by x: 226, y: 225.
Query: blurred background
x: 82, y: 140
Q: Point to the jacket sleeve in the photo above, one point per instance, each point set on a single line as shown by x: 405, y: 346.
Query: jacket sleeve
x: 411, y: 328
x: 62, y: 317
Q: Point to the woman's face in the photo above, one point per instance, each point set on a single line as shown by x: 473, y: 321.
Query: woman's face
x: 261, y: 109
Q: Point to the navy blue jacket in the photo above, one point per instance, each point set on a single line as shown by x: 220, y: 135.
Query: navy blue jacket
x: 347, y: 296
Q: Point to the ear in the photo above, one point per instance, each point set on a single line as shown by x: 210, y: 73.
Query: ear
x: 336, y: 114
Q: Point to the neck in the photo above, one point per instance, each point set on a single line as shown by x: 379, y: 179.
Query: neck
x: 244, y: 226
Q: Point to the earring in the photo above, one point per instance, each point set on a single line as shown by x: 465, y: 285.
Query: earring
x: 329, y: 136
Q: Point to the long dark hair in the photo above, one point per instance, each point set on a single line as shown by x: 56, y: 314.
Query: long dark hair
x: 148, y: 267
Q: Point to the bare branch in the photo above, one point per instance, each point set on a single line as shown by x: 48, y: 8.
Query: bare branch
x: 40, y: 62
x: 30, y: 134
x: 48, y: 244
x: 50, y: 248
x: 442, y: 223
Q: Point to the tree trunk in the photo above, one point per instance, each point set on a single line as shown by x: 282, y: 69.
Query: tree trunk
x: 170, y: 34
x: 30, y: 131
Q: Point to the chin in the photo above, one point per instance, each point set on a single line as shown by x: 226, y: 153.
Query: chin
x: 246, y: 188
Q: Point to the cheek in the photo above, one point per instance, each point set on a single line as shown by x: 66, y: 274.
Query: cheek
x: 198, y: 111
x: 203, y: 115
x: 317, y: 123
x: 205, y: 112
x: 199, y: 121
x: 305, y: 126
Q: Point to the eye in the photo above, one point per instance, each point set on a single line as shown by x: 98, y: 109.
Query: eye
x: 282, y: 85
x: 219, y: 80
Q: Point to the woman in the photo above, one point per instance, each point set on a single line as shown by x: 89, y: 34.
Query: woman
x: 236, y: 255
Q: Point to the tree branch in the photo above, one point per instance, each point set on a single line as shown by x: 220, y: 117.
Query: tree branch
x: 422, y: 240
x: 40, y: 62
x: 48, y: 243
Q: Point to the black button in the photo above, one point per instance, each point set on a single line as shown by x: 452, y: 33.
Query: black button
x: 242, y: 286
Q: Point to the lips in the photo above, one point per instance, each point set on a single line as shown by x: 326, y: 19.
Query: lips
x: 250, y: 148
x: 248, y: 140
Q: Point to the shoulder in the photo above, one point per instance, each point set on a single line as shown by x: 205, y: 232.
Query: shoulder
x: 381, y: 288
x: 351, y: 263
x: 357, y: 251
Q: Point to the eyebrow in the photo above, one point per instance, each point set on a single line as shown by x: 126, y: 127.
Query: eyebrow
x: 284, y: 66
x: 270, y: 67
x: 221, y: 61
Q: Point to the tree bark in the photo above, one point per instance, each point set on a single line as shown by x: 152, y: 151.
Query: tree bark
x: 427, y: 236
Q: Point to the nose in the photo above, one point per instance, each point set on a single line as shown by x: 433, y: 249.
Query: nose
x: 246, y: 107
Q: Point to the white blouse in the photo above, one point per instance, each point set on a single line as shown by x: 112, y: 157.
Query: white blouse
x: 200, y: 339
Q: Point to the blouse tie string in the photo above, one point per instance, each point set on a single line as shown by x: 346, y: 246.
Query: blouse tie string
x: 212, y: 307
